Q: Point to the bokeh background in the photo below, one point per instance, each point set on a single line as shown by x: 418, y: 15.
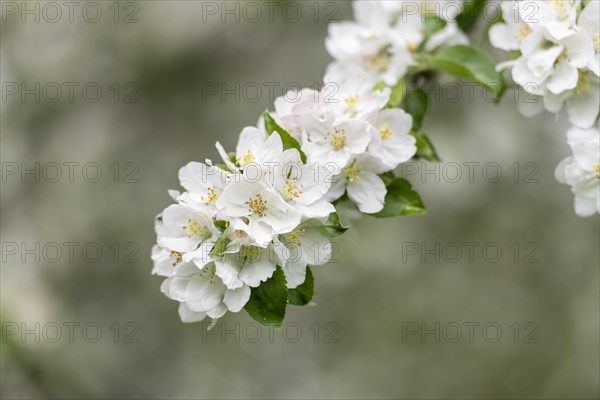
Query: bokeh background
x: 167, y: 62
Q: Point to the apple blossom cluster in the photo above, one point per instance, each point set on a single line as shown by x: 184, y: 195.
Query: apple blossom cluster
x: 557, y: 45
x: 269, y: 205
x: 384, y: 39
x: 237, y: 222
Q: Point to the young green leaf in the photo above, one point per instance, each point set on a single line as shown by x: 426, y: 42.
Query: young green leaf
x: 401, y: 199
x: 472, y: 10
x: 219, y: 247
x: 396, y: 95
x: 468, y: 63
x: 303, y: 294
x: 333, y: 228
x: 425, y: 148
x: 288, y: 141
x: 387, y: 177
x: 416, y: 104
x: 221, y: 225
x: 268, y: 301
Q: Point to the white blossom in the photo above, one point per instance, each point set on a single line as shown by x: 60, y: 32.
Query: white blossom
x: 582, y: 170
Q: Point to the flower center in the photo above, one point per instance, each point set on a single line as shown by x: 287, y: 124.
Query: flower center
x: 351, y: 103
x: 291, y: 191
x: 246, y: 159
x: 381, y: 61
x: 385, y: 132
x: 352, y: 173
x: 523, y: 32
x: 293, y: 238
x: 583, y: 84
x: 177, y: 256
x: 209, y: 271
x: 562, y: 56
x: 195, y: 229
x: 597, y: 169
x: 257, y: 206
x: 411, y: 46
x: 338, y: 139
x: 597, y: 42
x: 211, y: 196
x: 249, y: 253
x: 561, y: 7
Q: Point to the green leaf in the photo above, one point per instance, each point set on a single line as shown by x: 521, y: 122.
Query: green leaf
x: 303, y: 294
x: 333, y: 227
x: 288, y: 141
x: 416, y: 104
x: 472, y: 10
x: 396, y: 95
x: 223, y: 167
x: 387, y: 177
x: 219, y: 247
x: 401, y: 200
x: 221, y: 225
x: 425, y: 148
x: 268, y: 301
x: 468, y: 63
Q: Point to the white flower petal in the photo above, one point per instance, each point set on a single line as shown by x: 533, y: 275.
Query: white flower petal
x: 203, y: 294
x: 583, y: 108
x: 236, y: 299
x: 189, y: 316
x: 368, y: 193
x: 564, y: 78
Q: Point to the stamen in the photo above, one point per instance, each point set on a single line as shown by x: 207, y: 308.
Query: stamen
x: 246, y: 159
x: 257, y: 206
x: 351, y: 103
x: 523, y: 32
x: 385, y: 132
x: 352, y: 173
x: 195, y: 229
x: 338, y: 139
x: 211, y: 196
x: 177, y: 256
x: 291, y: 191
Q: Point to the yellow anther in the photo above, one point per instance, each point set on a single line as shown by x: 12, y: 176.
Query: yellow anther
x: 351, y: 103
x: 385, y: 132
x: 523, y: 32
x: 291, y: 190
x: 352, y: 173
x: 293, y: 238
x: 211, y: 196
x: 246, y: 159
x: 338, y: 139
x: 257, y: 205
x: 562, y: 7
x: 177, y: 256
x: 195, y: 229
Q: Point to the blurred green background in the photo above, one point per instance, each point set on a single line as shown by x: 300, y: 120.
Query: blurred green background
x: 360, y: 339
